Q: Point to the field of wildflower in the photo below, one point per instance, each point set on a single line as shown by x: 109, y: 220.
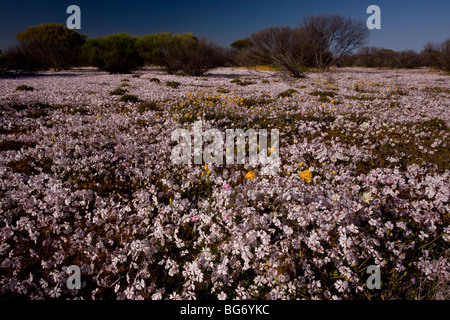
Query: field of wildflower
x: 86, y: 179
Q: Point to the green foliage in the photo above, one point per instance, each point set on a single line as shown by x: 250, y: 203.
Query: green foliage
x: 46, y: 46
x: 242, y: 83
x: 146, y: 106
x: 129, y: 98
x: 149, y: 46
x: 190, y: 55
x: 250, y: 102
x: 115, y: 53
x: 241, y: 44
x: 118, y: 92
x: 287, y: 93
x: 222, y: 90
x: 362, y: 98
x: 24, y: 87
x: 155, y: 80
x: 172, y: 84
x: 323, y: 95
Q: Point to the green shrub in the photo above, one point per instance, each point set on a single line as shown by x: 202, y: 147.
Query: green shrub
x: 146, y: 106
x: 287, y: 93
x: 156, y: 80
x: 190, y: 55
x: 361, y: 98
x: 24, y: 87
x: 129, y: 98
x: 242, y: 83
x: 172, y: 84
x: 222, y: 90
x: 149, y: 46
x: 323, y: 95
x: 249, y: 102
x: 46, y: 46
x: 115, y: 53
x: 118, y: 92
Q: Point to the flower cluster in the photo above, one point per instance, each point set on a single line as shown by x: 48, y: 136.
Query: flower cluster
x: 86, y: 180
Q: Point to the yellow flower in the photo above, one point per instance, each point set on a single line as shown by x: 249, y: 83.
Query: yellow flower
x: 206, y: 167
x: 250, y: 175
x: 271, y: 150
x: 170, y: 200
x: 301, y: 163
x: 334, y: 172
x: 306, y: 175
x: 52, y: 138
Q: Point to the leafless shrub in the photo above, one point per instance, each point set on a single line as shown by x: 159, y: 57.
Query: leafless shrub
x: 284, y: 47
x: 445, y: 52
x: 332, y: 37
x: 431, y: 56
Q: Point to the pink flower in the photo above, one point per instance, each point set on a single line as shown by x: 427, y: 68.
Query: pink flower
x: 194, y: 218
x: 227, y: 187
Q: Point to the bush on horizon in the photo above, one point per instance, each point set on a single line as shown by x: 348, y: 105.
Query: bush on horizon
x: 116, y: 53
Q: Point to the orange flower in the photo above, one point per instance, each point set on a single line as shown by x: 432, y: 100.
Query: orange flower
x: 250, y: 175
x: 306, y: 175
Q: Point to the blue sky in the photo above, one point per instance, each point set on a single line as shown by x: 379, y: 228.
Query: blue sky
x: 405, y: 24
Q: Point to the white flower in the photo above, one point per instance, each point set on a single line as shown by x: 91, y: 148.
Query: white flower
x: 365, y: 125
x: 157, y: 296
x: 367, y: 197
x: 55, y: 292
x: 129, y: 293
x: 222, y: 296
x: 341, y: 286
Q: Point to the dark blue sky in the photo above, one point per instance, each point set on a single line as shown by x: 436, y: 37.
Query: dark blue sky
x: 405, y: 24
